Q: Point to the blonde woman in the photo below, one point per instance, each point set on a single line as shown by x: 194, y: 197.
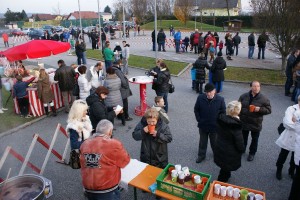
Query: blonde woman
x: 229, y: 141
x: 44, y: 91
x: 79, y: 125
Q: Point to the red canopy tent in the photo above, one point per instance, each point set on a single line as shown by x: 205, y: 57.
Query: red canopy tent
x: 35, y: 49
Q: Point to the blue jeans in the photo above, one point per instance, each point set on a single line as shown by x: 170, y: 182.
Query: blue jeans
x: 161, y: 45
x: 262, y: 51
x: 84, y: 58
x: 108, y: 63
x: 250, y: 52
x: 177, y: 44
x: 254, y: 142
x: 113, y: 195
x: 165, y: 97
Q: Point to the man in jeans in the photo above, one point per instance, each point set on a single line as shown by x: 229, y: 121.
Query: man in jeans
x: 177, y: 38
x: 251, y: 45
x: 65, y: 75
x: 207, y: 109
x: 254, y: 106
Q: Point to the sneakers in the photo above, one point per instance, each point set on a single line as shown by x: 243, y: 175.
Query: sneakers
x: 4, y: 109
x: 28, y: 116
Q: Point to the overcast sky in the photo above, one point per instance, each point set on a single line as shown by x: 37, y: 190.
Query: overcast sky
x: 66, y: 6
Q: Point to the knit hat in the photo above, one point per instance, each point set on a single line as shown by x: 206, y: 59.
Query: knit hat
x: 209, y: 87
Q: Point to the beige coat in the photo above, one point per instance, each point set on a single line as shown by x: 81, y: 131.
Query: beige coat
x: 44, y: 90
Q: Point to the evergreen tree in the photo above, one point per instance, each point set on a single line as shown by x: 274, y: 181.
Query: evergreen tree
x: 107, y: 9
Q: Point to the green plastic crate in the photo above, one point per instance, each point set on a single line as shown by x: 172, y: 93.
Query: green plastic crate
x: 180, y: 191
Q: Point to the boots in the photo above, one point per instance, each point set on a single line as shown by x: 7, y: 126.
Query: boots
x: 54, y: 111
x: 292, y: 171
x: 46, y: 110
x: 279, y: 172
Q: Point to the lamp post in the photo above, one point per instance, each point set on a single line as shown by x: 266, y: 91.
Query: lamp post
x: 80, y: 20
x: 123, y: 21
x: 99, y: 18
x: 155, y: 29
x: 195, y: 12
x: 213, y: 5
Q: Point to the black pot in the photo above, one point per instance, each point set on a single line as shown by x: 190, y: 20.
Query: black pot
x: 25, y: 187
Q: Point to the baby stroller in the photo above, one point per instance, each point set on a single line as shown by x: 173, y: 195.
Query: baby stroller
x: 112, y: 33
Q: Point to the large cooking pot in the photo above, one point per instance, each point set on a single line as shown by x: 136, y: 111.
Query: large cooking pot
x: 25, y: 187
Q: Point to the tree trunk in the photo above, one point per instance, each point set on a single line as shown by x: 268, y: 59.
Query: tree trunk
x: 228, y: 10
x: 283, y: 64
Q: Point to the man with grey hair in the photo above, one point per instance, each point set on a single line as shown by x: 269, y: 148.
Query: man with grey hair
x: 101, y: 159
x: 95, y: 75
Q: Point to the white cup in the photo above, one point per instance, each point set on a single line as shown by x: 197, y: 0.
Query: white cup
x: 178, y: 167
x: 181, y: 175
x: 197, y: 179
x: 251, y: 195
x: 186, y: 171
x: 236, y: 193
x: 259, y: 197
x: 223, y: 191
x: 174, y: 173
x: 229, y: 191
x: 217, y: 188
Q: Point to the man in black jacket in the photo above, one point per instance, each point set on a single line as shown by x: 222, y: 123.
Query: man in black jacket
x: 251, y: 45
x: 161, y: 37
x: 254, y: 106
x: 236, y: 41
x: 289, y: 72
x: 261, y: 43
x: 207, y: 109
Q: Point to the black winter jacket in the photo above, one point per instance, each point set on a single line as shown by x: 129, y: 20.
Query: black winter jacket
x: 161, y: 37
x: 199, y: 66
x: 65, y: 76
x: 252, y: 121
x: 207, y: 112
x: 251, y: 40
x: 229, y: 143
x: 162, y: 81
x: 217, y: 69
x: 154, y: 150
x: 98, y: 110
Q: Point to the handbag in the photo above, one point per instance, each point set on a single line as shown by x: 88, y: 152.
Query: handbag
x: 280, y: 128
x: 74, y: 159
x: 75, y: 91
x: 171, y: 86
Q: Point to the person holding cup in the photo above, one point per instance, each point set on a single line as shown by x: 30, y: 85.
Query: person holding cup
x: 229, y: 141
x: 155, y: 135
x: 254, y: 106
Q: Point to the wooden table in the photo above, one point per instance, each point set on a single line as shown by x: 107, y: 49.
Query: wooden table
x: 146, y: 178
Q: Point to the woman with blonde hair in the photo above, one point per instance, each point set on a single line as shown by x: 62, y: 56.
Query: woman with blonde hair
x: 45, y: 93
x: 79, y: 125
x: 155, y: 135
x: 229, y: 141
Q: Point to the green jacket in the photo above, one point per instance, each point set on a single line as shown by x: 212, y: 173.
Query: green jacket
x: 108, y: 54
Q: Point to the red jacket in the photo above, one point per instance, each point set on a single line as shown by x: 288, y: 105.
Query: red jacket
x: 196, y: 38
x: 101, y: 159
x: 5, y: 37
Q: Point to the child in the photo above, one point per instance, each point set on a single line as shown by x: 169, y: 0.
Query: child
x: 159, y: 106
x: 211, y: 50
x: 21, y: 94
x: 221, y: 45
x: 186, y: 42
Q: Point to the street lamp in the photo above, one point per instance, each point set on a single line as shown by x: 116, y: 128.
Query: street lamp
x: 213, y: 6
x: 155, y: 30
x: 123, y: 21
x: 80, y: 20
x: 99, y: 18
x: 195, y: 12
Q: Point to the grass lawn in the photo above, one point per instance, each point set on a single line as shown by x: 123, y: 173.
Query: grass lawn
x: 190, y: 26
x: 142, y: 61
x: 9, y: 119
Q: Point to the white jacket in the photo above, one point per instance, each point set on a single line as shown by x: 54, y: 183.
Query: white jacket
x: 125, y: 52
x: 297, y: 143
x: 84, y: 87
x: 93, y: 77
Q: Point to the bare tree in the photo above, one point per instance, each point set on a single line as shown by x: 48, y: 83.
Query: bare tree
x: 139, y: 8
x: 227, y: 4
x: 183, y: 10
x: 281, y: 19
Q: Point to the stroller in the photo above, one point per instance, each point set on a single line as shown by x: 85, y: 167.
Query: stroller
x: 112, y: 33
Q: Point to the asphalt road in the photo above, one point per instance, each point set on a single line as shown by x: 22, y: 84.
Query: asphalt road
x: 259, y: 174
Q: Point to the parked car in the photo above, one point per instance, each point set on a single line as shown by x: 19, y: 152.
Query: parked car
x: 36, y: 34
x: 59, y: 28
x: 88, y: 29
x: 48, y: 28
x: 17, y: 32
x: 26, y: 30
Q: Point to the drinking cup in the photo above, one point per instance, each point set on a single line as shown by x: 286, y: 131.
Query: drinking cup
x: 251, y: 195
x: 229, y: 191
x: 236, y: 193
x: 217, y: 188
x: 223, y: 191
x: 197, y: 179
x: 174, y: 176
x: 170, y: 170
x: 251, y: 108
x: 186, y: 171
x: 204, y: 180
x: 180, y: 178
x: 151, y: 129
x: 259, y: 197
x: 178, y: 167
x: 244, y: 194
x: 200, y: 187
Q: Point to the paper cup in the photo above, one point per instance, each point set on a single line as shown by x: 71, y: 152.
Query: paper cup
x: 151, y: 128
x: 223, y: 191
x: 186, y: 171
x: 217, y: 189
x: 259, y: 197
x: 229, y: 191
x: 251, y: 108
x: 178, y: 167
x: 236, y: 193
